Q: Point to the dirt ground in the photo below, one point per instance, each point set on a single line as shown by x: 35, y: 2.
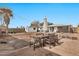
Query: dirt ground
x: 25, y: 51
x: 68, y: 47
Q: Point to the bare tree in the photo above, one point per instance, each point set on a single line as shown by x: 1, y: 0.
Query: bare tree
x: 7, y: 13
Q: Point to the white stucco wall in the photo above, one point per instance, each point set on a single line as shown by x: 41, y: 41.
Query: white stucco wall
x: 31, y: 29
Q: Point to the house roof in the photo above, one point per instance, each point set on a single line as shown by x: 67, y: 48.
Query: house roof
x: 58, y: 25
x: 34, y: 24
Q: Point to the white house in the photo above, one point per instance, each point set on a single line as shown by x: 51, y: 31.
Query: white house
x: 47, y: 27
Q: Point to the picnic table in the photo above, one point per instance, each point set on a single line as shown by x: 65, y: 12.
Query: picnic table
x: 42, y: 40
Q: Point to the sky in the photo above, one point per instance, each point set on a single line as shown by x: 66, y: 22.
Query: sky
x: 57, y: 13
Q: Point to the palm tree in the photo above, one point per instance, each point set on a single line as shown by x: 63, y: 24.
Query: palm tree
x: 7, y: 13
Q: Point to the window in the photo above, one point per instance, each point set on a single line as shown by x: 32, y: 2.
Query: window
x: 34, y: 28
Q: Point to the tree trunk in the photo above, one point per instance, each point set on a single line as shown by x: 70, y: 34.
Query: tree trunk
x: 6, y: 29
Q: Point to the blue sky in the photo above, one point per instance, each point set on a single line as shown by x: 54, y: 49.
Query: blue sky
x: 58, y: 13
